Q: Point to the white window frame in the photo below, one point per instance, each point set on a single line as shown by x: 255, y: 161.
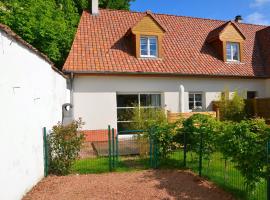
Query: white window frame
x: 194, y: 102
x: 139, y: 103
x: 231, y: 59
x: 148, y: 46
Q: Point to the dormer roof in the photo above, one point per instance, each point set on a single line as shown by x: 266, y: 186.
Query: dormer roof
x: 217, y: 33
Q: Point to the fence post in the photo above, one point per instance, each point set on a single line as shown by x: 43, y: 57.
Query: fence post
x: 200, y: 156
x: 117, y: 150
x: 109, y: 143
x: 45, y: 147
x: 113, y: 149
x: 185, y: 150
x: 151, y: 151
x: 268, y: 170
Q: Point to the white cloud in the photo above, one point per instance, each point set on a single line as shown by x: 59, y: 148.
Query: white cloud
x: 259, y: 3
x: 257, y: 18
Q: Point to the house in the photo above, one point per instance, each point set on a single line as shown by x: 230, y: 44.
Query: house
x: 121, y: 58
x: 32, y: 93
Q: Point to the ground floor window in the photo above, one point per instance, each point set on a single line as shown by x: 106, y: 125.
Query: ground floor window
x: 195, y: 101
x: 251, y: 94
x: 126, y: 103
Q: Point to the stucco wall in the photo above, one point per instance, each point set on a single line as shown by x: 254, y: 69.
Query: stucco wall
x: 31, y: 98
x: 95, y: 97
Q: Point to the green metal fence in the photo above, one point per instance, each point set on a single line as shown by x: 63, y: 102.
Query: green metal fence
x: 217, y: 169
x: 122, y: 151
x: 45, y: 152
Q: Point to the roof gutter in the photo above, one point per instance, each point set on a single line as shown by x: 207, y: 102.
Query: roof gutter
x: 163, y: 74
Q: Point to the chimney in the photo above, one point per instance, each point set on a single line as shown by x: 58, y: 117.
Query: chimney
x: 94, y: 7
x: 238, y: 19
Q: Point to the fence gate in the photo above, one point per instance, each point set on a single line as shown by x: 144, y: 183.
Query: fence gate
x: 131, y: 150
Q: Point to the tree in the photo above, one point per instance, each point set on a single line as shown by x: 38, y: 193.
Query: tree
x: 49, y: 25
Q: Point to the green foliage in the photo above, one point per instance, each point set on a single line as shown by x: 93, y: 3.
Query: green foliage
x: 232, y: 110
x: 154, y: 121
x: 49, y: 25
x: 144, y: 118
x: 64, y: 147
x: 197, y: 126
x: 245, y: 144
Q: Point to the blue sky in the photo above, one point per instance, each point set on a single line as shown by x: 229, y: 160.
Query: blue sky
x: 253, y: 11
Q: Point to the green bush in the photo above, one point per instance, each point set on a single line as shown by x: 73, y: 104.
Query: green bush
x: 244, y: 143
x: 232, y: 109
x: 144, y: 118
x: 64, y: 147
x: 197, y: 126
x: 155, y: 123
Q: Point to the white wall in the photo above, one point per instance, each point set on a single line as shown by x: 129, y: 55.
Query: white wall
x: 31, y: 98
x: 95, y: 96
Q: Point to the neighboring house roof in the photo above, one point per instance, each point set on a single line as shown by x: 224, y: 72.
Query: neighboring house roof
x: 100, y: 46
x: 12, y: 34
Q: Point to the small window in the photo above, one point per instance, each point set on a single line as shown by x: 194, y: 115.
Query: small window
x: 233, y: 51
x: 195, y: 101
x: 148, y: 47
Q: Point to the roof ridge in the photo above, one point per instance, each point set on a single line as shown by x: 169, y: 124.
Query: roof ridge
x: 183, y: 16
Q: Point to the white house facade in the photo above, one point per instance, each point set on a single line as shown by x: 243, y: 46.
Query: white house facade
x: 95, y: 98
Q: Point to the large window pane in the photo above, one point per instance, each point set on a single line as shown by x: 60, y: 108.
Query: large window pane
x: 127, y: 100
x: 150, y: 100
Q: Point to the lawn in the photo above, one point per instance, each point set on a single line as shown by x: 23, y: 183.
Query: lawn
x: 101, y: 165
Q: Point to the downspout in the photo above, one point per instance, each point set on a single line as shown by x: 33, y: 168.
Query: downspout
x: 181, y: 98
x: 71, y: 87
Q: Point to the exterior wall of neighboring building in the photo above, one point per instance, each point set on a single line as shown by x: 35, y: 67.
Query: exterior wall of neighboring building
x: 32, y: 94
x: 95, y: 96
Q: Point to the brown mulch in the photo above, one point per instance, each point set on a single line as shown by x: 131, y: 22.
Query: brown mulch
x: 141, y: 185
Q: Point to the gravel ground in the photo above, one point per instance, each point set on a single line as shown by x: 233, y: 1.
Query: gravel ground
x: 141, y: 185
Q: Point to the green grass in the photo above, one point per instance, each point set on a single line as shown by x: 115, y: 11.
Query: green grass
x: 101, y: 165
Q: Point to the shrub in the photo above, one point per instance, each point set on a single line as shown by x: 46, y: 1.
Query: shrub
x: 232, y: 110
x: 245, y: 144
x: 154, y: 122
x: 64, y: 147
x: 197, y: 126
x: 144, y: 118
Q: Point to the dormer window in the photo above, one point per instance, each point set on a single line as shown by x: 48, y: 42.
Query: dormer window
x: 233, y: 52
x: 148, y: 46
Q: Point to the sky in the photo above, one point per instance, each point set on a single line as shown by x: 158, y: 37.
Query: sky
x: 252, y: 11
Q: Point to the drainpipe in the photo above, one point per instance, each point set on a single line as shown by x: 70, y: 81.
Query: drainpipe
x: 71, y: 87
x: 181, y: 98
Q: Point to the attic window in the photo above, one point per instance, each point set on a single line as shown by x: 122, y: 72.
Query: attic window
x: 148, y: 46
x: 233, y: 52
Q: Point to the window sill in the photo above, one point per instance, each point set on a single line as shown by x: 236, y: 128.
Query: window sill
x: 150, y: 58
x: 234, y: 62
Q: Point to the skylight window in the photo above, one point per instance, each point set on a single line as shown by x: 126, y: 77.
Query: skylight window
x: 148, y: 46
x: 233, y: 52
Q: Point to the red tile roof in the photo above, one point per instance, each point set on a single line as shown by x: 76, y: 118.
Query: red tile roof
x: 100, y: 47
